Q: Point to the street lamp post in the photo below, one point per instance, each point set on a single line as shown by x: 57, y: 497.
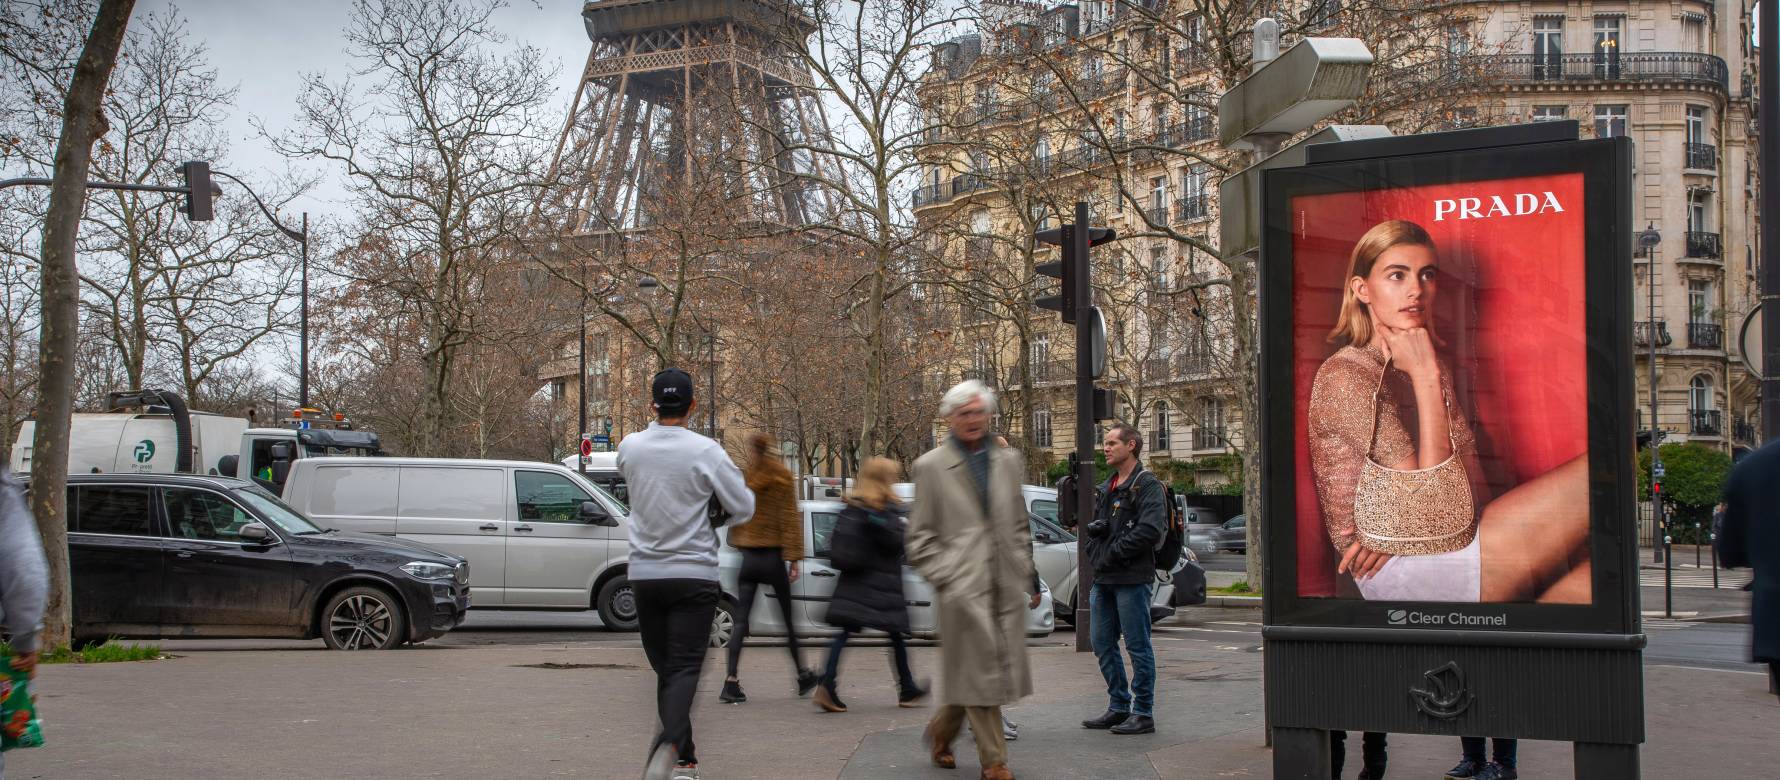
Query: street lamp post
x: 302, y: 238
x: 1651, y: 240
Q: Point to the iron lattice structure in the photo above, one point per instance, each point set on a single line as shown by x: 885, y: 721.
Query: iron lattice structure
x: 692, y: 101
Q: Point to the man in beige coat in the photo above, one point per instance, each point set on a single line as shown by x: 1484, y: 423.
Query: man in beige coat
x: 968, y: 536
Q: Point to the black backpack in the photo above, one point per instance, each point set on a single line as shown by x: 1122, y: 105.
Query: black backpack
x: 1174, y: 530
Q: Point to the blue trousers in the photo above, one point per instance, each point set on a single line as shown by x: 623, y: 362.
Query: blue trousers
x: 1124, y: 611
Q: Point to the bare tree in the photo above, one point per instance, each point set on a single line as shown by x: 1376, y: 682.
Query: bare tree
x: 83, y: 123
x: 446, y: 154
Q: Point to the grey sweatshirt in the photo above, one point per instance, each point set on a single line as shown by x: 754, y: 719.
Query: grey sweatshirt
x: 24, y: 573
x: 671, y: 474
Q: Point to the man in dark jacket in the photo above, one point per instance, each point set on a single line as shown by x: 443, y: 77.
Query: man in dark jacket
x: 1130, y: 518
x: 1751, y: 537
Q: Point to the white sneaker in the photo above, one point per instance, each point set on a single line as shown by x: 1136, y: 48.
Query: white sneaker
x: 1010, y: 730
x: 685, y: 772
x: 660, y: 765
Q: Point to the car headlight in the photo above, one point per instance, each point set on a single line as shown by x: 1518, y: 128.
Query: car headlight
x: 427, y: 570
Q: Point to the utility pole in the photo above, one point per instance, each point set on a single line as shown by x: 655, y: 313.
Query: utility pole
x: 1651, y: 241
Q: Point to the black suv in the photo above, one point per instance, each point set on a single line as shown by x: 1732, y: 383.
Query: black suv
x: 188, y: 556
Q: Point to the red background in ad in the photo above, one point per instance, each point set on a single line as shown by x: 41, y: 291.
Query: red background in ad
x: 1509, y: 305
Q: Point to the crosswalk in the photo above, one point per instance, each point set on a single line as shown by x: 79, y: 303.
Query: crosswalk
x: 1689, y: 577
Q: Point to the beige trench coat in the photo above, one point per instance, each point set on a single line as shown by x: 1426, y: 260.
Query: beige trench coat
x: 981, y: 570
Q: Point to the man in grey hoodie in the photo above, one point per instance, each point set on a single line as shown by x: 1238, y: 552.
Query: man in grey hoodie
x: 24, y: 578
x: 673, y: 475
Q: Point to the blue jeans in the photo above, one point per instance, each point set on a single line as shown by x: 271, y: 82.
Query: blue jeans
x: 1124, y: 610
x: 1504, y: 753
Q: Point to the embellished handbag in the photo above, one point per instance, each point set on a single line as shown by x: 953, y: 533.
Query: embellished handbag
x: 1413, y: 511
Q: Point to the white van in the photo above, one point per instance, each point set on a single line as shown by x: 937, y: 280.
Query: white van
x: 537, y: 535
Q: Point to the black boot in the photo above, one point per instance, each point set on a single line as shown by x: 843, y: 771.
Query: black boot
x: 1107, y: 720
x: 732, y: 693
x: 1136, y: 724
x: 806, y: 681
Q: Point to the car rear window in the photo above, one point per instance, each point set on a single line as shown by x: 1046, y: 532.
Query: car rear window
x: 112, y: 509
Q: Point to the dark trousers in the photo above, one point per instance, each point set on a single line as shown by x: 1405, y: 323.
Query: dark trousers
x: 899, y: 647
x: 674, y: 617
x: 1372, y: 746
x: 1504, y: 752
x: 762, y: 566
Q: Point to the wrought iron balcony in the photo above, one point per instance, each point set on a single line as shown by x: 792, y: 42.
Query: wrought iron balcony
x: 1702, y: 157
x: 1191, y: 207
x: 1705, y: 335
x: 1690, y: 67
x: 1705, y: 422
x: 1702, y: 244
x: 929, y: 194
x: 1643, y: 332
x: 1156, y: 215
x: 1742, y: 430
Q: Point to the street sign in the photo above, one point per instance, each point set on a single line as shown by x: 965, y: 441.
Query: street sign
x: 1660, y: 471
x: 586, y: 445
x: 1098, y: 344
x: 586, y: 460
x: 1295, y: 90
x: 600, y: 438
x: 1239, y: 195
x: 1749, y: 342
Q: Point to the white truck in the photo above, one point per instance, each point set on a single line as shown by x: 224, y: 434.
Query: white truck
x: 165, y: 437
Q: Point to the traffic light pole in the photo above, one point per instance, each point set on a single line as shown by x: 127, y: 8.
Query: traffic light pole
x: 1076, y: 253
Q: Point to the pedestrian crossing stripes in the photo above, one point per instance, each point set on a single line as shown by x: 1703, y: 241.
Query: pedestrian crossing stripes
x: 1690, y: 577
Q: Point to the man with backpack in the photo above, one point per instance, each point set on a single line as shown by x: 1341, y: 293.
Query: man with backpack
x: 1130, y: 522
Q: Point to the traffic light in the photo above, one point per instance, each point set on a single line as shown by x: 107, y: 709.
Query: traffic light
x: 200, y: 194
x: 1063, y: 269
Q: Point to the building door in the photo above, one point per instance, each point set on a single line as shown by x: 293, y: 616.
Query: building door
x: 1548, y: 47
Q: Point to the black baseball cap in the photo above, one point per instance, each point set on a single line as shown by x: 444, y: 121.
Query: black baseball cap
x: 672, y: 392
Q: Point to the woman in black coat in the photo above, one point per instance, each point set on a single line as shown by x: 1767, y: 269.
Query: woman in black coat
x: 866, y: 547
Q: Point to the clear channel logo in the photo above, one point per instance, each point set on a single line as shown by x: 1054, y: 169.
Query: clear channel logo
x: 1416, y: 617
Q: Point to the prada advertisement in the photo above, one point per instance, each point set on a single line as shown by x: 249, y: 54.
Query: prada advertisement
x: 1433, y: 326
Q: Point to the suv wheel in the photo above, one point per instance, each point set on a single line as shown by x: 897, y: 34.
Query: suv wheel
x: 363, y: 618
x: 617, y: 605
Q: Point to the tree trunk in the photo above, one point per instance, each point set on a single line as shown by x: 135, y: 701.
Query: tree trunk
x: 83, y: 122
x: 870, y: 441
x: 1248, y: 403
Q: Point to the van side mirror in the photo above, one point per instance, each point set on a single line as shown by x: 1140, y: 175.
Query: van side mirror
x: 281, y: 451
x: 227, y: 465
x: 592, y: 512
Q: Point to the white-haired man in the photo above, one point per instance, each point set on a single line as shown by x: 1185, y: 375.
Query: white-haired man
x: 968, y: 536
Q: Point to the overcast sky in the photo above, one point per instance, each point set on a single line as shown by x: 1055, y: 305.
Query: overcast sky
x: 263, y: 48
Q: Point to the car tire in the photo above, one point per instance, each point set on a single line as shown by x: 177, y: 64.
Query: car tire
x: 363, y: 618
x: 723, y: 623
x: 618, y: 605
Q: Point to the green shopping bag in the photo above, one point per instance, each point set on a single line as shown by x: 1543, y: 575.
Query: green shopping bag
x: 18, y: 708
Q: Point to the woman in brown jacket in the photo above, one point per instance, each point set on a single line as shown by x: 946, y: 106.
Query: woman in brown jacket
x: 768, y: 542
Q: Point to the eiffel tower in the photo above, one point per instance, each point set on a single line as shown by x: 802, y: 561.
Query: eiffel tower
x: 690, y: 95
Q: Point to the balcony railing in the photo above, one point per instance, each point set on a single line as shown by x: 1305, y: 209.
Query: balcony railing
x: 1191, y: 207
x: 1702, y: 244
x: 929, y: 194
x: 1705, y: 422
x: 1157, y: 215
x: 1642, y: 333
x: 1742, y: 430
x: 1691, y: 67
x: 1702, y: 157
x: 1705, y: 335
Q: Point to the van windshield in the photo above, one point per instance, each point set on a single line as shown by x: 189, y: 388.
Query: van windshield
x: 272, y: 509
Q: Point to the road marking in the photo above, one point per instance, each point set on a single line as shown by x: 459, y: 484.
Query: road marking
x: 1705, y: 669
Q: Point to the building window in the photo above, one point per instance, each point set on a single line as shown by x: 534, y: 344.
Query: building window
x: 1697, y: 211
x: 1209, y: 435
x: 1607, y: 46
x: 1039, y: 351
x: 1610, y: 121
x: 1159, y: 433
x: 1699, y: 301
x: 1159, y: 267
x: 1042, y: 150
x: 1696, y: 126
x: 1193, y: 181
x: 1550, y: 113
x: 1548, y: 47
x: 1699, y: 394
x: 979, y: 359
x: 1693, y: 32
x: 1158, y: 192
x: 1041, y: 428
x: 559, y: 389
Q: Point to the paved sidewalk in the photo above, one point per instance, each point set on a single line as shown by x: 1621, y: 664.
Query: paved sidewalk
x: 584, y: 709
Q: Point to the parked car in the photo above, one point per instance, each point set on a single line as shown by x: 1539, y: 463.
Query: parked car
x: 185, y: 556
x: 812, y: 591
x: 1202, y: 526
x: 537, y: 535
x: 1232, y: 536
x: 1054, y: 553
